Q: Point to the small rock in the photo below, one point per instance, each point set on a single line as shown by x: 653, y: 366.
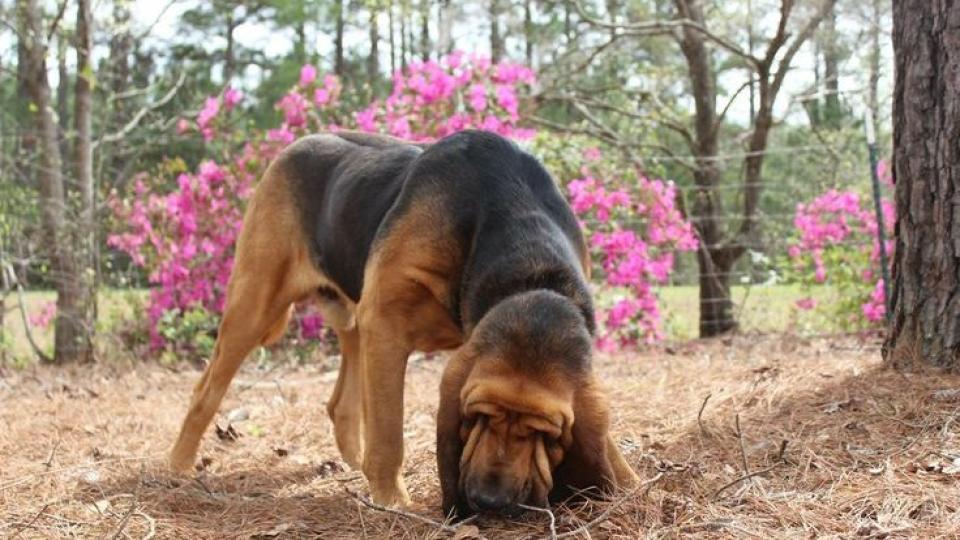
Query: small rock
x: 238, y: 415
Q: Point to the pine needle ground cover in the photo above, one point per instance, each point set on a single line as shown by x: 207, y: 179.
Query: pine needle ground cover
x: 749, y: 437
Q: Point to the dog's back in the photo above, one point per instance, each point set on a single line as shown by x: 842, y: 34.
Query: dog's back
x: 344, y: 184
x: 511, y: 228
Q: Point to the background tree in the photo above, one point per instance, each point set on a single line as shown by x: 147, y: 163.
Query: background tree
x: 72, y: 338
x: 725, y: 236
x: 926, y: 292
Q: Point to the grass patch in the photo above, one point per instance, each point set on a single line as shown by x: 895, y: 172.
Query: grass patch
x: 758, y: 308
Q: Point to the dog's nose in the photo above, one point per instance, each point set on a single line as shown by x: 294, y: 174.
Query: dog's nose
x: 491, y: 501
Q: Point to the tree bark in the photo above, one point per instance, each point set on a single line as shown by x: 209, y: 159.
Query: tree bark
x: 64, y: 271
x: 229, y: 55
x: 496, y: 32
x: 717, y: 255
x: 873, y: 85
x: 63, y: 93
x: 445, y: 27
x: 716, y: 305
x: 121, y: 47
x: 373, y: 60
x: 425, y: 30
x: 925, y: 326
x: 338, y: 65
x: 831, y: 70
x: 528, y: 31
x: 404, y: 42
x: 393, y: 37
x: 74, y: 337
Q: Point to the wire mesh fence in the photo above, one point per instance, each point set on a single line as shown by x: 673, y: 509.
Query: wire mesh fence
x: 771, y: 288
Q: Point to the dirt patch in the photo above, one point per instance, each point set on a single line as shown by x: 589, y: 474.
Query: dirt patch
x: 796, y: 439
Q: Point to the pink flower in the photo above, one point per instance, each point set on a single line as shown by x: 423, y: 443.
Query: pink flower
x: 183, y: 126
x: 806, y: 304
x: 366, y: 119
x: 308, y: 74
x: 507, y: 99
x: 46, y: 315
x: 231, y: 97
x: 282, y: 135
x: 592, y: 154
x: 478, y: 97
x: 206, y: 115
x: 294, y: 107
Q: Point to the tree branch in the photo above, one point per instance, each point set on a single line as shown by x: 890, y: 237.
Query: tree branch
x: 135, y: 121
x: 663, y: 27
x: 784, y: 65
x: 10, y: 276
x: 733, y: 98
x: 56, y: 20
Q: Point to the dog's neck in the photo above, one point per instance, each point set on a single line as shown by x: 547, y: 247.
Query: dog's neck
x: 516, y: 271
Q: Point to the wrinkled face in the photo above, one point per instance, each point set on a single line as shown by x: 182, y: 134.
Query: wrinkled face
x: 508, y: 456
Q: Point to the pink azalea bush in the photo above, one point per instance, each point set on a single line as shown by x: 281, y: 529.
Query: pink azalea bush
x: 433, y: 99
x: 633, y: 229
x: 43, y: 317
x: 837, y: 244
x: 184, y: 237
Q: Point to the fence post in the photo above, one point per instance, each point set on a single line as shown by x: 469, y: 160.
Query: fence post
x: 878, y: 207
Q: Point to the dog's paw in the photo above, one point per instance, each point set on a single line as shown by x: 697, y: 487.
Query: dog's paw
x: 180, y: 462
x: 395, y: 495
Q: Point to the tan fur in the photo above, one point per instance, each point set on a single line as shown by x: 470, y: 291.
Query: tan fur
x: 272, y: 271
x: 402, y: 308
x: 554, y: 429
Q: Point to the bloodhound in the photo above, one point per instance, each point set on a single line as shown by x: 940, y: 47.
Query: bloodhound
x: 463, y: 244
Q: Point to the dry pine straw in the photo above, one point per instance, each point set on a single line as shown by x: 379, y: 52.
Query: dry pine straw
x: 869, y: 452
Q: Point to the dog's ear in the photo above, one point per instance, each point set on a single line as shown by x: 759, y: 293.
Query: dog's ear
x: 450, y: 442
x: 586, y: 465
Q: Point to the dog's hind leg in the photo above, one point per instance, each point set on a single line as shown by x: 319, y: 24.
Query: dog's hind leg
x: 346, y: 404
x: 272, y: 271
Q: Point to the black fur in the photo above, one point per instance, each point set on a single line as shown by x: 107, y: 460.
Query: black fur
x: 514, y: 230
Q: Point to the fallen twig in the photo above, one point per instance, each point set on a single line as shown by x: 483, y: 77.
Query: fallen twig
x: 412, y: 515
x: 743, y: 451
x: 29, y: 525
x: 134, y: 507
x: 745, y: 477
x: 703, y: 430
x: 549, y: 513
x: 606, y: 513
x: 53, y: 452
x: 151, y: 523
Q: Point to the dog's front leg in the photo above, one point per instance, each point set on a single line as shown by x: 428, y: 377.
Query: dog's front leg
x: 383, y: 357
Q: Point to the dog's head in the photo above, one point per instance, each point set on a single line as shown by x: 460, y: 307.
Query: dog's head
x: 521, y: 420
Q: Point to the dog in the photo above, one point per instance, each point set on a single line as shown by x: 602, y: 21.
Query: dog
x: 464, y: 244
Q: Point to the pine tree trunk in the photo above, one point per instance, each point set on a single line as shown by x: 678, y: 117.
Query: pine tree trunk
x: 925, y: 326
x: 528, y: 31
x: 831, y: 71
x: 425, y: 30
x: 445, y: 27
x: 404, y: 42
x: 496, y: 32
x: 229, y: 55
x: 373, y: 60
x: 75, y: 333
x: 393, y: 37
x: 53, y: 202
x: 716, y: 306
x: 121, y: 47
x: 63, y: 93
x: 338, y: 65
x: 873, y: 85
